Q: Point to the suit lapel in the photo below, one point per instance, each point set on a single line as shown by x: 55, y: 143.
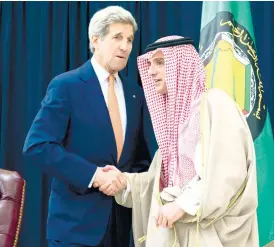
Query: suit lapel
x: 99, y: 110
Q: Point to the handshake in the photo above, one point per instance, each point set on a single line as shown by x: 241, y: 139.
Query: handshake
x: 109, y: 180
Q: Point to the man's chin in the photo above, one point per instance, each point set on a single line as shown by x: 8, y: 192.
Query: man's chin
x: 160, y: 91
x: 118, y: 68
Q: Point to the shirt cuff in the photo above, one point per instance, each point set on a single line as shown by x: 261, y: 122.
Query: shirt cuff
x: 92, y: 180
x: 189, y: 201
x: 125, y: 192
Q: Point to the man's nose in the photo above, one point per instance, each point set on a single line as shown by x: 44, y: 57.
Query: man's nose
x: 123, y: 45
x: 151, y: 71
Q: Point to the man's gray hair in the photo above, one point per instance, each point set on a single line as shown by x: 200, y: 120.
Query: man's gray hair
x: 101, y: 20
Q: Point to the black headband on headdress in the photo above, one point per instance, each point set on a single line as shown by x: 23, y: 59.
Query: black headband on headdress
x: 169, y: 43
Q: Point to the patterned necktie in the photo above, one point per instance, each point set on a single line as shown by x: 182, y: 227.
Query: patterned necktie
x: 114, y: 115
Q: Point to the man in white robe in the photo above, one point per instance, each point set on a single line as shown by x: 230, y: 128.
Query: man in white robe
x: 201, y: 187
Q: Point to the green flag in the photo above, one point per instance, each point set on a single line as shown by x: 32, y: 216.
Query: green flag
x: 228, y: 50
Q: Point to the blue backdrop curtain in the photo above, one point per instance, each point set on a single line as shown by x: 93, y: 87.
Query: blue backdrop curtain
x: 40, y: 40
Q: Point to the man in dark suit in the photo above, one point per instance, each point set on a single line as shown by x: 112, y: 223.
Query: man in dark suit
x: 92, y: 117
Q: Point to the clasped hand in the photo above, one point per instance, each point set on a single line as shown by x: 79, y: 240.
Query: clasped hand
x: 109, y: 180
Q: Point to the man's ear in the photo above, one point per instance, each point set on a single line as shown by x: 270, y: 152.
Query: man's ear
x: 95, y: 40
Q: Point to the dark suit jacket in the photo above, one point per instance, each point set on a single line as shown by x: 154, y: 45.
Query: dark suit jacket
x: 71, y: 135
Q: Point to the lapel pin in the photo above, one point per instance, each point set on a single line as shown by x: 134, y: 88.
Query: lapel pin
x: 134, y: 96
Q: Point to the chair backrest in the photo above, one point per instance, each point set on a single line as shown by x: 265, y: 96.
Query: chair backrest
x: 12, y: 197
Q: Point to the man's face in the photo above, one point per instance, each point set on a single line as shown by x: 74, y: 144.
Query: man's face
x: 113, y: 50
x: 157, y: 71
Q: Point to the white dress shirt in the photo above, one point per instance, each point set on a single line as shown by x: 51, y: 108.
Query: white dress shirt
x: 102, y: 76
